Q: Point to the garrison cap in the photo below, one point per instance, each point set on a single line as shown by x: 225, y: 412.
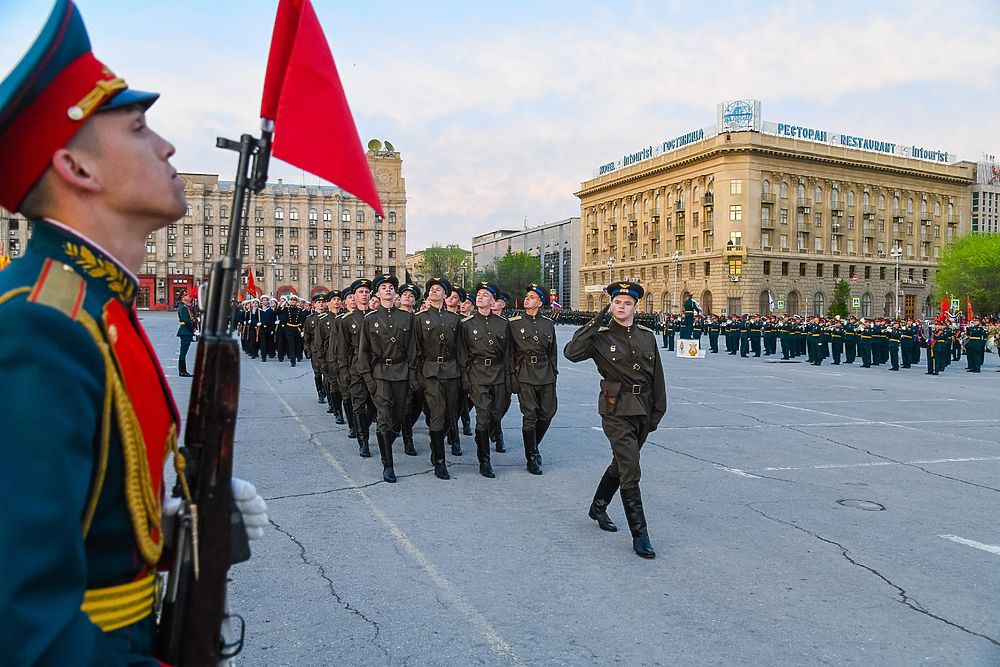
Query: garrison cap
x: 385, y: 278
x: 359, y: 283
x: 48, y: 97
x: 334, y: 294
x: 410, y: 287
x: 489, y: 287
x: 633, y: 290
x: 445, y: 285
x: 540, y: 291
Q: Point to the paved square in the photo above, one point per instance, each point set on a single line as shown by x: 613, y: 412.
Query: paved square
x: 801, y: 515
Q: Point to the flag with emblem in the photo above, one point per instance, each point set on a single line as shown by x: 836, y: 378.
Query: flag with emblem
x: 251, y: 283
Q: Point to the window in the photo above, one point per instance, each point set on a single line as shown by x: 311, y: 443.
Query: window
x: 708, y: 269
x: 692, y: 270
x: 802, y: 269
x: 909, y: 205
x: 836, y: 270
x: 881, y: 273
x: 150, y: 247
x: 293, y: 251
x: 313, y: 216
x: 361, y: 273
x: 208, y: 250
x: 313, y: 234
x: 392, y: 236
x: 735, y: 187
x: 735, y: 239
x: 259, y: 252
x: 327, y: 252
x: 293, y: 214
x: 346, y: 235
x: 345, y: 217
x: 392, y: 217
x: 279, y: 214
x: 258, y: 232
x: 327, y: 235
x: 850, y: 246
x: 361, y: 235
x: 328, y: 274
x: 866, y: 304
x: 345, y: 272
x: 312, y: 252
x: 783, y: 241
x: 881, y: 202
x: 783, y: 190
x: 819, y: 270
x: 818, y: 220
x: 850, y: 222
x: 767, y: 267
x: 258, y: 213
x: 327, y: 215
x: 189, y: 211
x: 735, y: 212
x: 345, y: 254
x: 818, y: 304
x: 783, y: 216
x: 868, y: 273
x: 293, y: 233
x: 279, y: 251
x: 360, y: 216
x: 765, y: 186
x: 818, y: 195
x: 209, y: 230
x: 784, y: 268
x: 818, y: 243
x: 208, y: 212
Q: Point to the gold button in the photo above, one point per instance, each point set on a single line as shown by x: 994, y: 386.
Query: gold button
x: 75, y: 113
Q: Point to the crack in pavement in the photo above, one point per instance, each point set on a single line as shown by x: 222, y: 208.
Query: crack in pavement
x: 892, y: 460
x: 903, y: 597
x: 346, y: 488
x: 730, y: 468
x: 329, y: 582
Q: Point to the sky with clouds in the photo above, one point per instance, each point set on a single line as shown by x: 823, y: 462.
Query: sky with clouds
x: 501, y: 110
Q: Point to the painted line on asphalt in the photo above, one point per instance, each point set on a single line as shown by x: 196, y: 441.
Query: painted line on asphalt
x: 990, y: 548
x: 451, y: 592
x: 876, y: 464
x: 737, y: 471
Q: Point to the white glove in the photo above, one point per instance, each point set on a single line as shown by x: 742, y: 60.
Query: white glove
x: 252, y: 507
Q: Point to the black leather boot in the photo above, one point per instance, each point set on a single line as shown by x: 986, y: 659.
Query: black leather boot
x: 320, y: 393
x: 362, y: 436
x: 483, y: 451
x: 541, y: 426
x: 437, y: 455
x: 632, y: 502
x: 531, y: 451
x: 182, y: 368
x: 466, y: 424
x: 385, y: 449
x: 351, y: 421
x: 408, y: 447
x: 333, y: 401
x: 497, y: 436
x: 453, y: 440
x: 606, y: 490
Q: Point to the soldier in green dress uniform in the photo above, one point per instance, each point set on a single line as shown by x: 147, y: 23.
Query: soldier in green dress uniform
x: 185, y: 331
x: 632, y: 402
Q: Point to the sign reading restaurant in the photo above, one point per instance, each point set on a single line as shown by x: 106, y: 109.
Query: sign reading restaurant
x: 744, y: 115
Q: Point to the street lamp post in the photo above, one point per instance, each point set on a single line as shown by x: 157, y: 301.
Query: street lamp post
x: 676, y: 259
x: 464, y: 265
x: 272, y: 262
x: 611, y: 266
x: 896, y: 253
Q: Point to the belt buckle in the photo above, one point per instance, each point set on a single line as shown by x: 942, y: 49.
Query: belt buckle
x: 636, y: 388
x: 388, y: 362
x: 487, y: 362
x: 534, y: 359
x: 440, y: 360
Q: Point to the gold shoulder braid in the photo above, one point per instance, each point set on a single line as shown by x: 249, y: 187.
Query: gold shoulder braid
x: 99, y: 267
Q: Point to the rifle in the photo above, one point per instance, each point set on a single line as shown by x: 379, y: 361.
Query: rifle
x: 208, y: 533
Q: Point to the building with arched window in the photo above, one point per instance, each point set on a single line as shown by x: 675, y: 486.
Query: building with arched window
x: 770, y: 207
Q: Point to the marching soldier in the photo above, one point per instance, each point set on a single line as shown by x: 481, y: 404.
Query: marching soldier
x: 331, y: 386
x: 186, y: 332
x: 386, y: 367
x: 291, y: 322
x: 485, y: 362
x: 350, y: 369
x: 632, y: 402
x: 408, y: 296
x: 975, y: 346
x: 536, y: 358
x: 334, y: 360
x: 82, y: 511
x: 313, y: 341
x: 435, y: 355
x: 455, y: 302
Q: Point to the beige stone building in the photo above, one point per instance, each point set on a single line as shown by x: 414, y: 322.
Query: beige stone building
x: 744, y: 218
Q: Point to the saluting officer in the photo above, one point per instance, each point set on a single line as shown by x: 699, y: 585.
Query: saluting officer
x: 312, y: 338
x: 536, y: 359
x: 385, y: 365
x: 350, y: 373
x: 632, y: 402
x: 485, y: 362
x: 434, y: 350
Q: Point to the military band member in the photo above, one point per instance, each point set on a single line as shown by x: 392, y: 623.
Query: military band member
x: 485, y: 362
x: 689, y: 310
x: 837, y: 340
x: 350, y: 369
x: 312, y: 339
x: 435, y: 352
x: 82, y: 511
x: 894, y: 335
x: 975, y: 346
x: 535, y: 362
x: 385, y: 364
x: 186, y: 332
x: 632, y: 402
x: 851, y: 339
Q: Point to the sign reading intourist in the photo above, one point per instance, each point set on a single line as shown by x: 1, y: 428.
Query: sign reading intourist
x: 745, y: 116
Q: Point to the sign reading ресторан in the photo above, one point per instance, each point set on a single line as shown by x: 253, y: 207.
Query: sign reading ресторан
x: 854, y: 141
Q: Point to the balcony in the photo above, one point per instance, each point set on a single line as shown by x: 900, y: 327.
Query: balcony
x: 926, y: 217
x: 709, y: 200
x: 837, y: 207
x: 679, y: 206
x: 868, y: 211
x: 680, y: 230
x: 803, y: 227
x: 803, y: 204
x: 633, y: 218
x: 766, y: 223
x: 656, y: 215
x: 897, y: 215
x: 954, y: 219
x: 768, y: 198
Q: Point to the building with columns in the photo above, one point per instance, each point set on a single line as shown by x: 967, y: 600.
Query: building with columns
x: 748, y: 212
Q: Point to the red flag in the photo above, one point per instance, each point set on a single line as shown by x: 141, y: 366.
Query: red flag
x: 193, y: 293
x: 944, y: 304
x: 313, y: 126
x: 968, y: 305
x: 251, y: 283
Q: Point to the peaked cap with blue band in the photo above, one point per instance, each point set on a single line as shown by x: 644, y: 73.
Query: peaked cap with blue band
x: 48, y: 97
x: 489, y: 287
x: 540, y: 291
x: 633, y: 290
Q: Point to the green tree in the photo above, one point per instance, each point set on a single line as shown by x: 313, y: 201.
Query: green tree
x: 841, y: 293
x: 513, y: 272
x: 446, y: 261
x: 970, y: 267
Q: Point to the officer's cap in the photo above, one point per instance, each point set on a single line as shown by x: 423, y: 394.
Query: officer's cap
x: 445, y: 285
x: 359, y: 283
x: 410, y: 287
x: 347, y: 291
x: 634, y: 290
x: 386, y: 278
x: 319, y: 297
x: 489, y: 287
x: 333, y: 294
x: 48, y: 97
x: 503, y: 296
x: 462, y: 296
x: 540, y: 291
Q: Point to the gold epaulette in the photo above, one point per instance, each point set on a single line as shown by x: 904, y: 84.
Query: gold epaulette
x: 61, y: 287
x: 600, y: 329
x: 467, y: 318
x: 644, y: 328
x: 514, y: 319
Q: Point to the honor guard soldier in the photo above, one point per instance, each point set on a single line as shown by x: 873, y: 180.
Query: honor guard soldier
x: 536, y: 359
x: 83, y: 502
x: 485, y: 362
x: 186, y: 332
x: 350, y: 373
x: 312, y: 339
x: 385, y: 365
x: 632, y: 402
x: 435, y: 355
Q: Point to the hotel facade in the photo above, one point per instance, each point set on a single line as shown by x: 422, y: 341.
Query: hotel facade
x: 758, y: 217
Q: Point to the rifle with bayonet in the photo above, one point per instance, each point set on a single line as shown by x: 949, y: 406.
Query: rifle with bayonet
x: 208, y: 533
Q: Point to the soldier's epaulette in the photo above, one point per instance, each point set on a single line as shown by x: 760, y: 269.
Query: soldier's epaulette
x: 600, y: 329
x: 370, y: 312
x: 546, y: 317
x: 514, y: 319
x: 59, y: 286
x: 467, y: 318
x: 644, y: 328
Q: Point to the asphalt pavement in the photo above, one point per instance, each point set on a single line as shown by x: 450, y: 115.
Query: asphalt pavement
x: 801, y: 516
